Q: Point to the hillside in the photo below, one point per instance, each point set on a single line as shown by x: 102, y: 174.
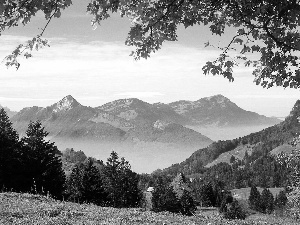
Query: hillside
x: 219, y: 111
x: 8, y: 111
x: 159, y: 134
x: 140, y: 112
x: 137, y: 130
x: 31, y: 209
x: 257, y: 144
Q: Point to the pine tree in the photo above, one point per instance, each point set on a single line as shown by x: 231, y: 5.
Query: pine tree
x: 254, y: 199
x: 280, y: 200
x: 183, y: 194
x: 43, y: 169
x: 121, y: 183
x: 234, y: 211
x: 267, y: 201
x: 187, y: 204
x: 159, y: 190
x: 9, y: 154
x: 74, y: 184
x: 207, y: 197
x: 92, y: 184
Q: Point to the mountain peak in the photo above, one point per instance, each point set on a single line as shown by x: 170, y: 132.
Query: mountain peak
x: 219, y: 98
x: 65, y: 104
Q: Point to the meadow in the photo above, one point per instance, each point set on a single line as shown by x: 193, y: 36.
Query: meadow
x: 17, y: 208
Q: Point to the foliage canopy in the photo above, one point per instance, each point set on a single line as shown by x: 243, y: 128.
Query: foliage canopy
x: 267, y: 32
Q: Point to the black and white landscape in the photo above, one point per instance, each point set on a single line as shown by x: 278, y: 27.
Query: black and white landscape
x: 150, y: 136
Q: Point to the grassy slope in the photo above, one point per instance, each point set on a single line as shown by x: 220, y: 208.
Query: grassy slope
x: 244, y: 193
x: 34, y: 209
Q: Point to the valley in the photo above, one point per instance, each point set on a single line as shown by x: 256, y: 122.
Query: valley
x: 150, y: 136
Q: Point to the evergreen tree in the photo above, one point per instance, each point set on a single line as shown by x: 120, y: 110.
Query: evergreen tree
x: 280, y: 200
x: 170, y: 201
x: 227, y: 199
x: 254, y: 199
x: 159, y: 190
x: 74, y: 184
x: 92, y: 186
x: 164, y: 198
x: 207, y: 197
x: 234, y: 211
x: 187, y: 204
x: 9, y: 154
x: 121, y: 183
x: 267, y: 201
x: 182, y: 191
x: 42, y: 168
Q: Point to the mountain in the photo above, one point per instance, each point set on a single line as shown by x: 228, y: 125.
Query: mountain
x: 219, y: 111
x: 274, y: 140
x: 159, y: 134
x: 8, y: 111
x: 140, y: 131
x: 141, y: 113
x: 67, y: 119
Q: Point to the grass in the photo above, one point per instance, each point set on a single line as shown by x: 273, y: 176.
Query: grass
x: 244, y: 193
x: 31, y: 209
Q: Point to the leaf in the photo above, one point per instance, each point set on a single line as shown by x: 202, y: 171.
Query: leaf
x: 57, y: 14
x: 238, y: 40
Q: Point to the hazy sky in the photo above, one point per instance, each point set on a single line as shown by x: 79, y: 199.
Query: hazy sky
x: 94, y: 66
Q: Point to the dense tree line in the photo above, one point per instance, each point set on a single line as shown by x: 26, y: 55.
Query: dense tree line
x: 265, y: 202
x: 113, y: 184
x: 173, y: 196
x: 29, y: 164
x: 258, y: 167
x: 32, y: 164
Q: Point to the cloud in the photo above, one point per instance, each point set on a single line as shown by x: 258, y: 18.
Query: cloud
x: 100, y: 71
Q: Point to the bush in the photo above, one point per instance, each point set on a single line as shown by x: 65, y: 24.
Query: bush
x: 234, y: 211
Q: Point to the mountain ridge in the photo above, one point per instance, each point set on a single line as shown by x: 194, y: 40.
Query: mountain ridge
x: 274, y: 140
x: 142, y: 132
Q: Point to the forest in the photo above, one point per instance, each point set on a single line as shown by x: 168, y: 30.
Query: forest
x: 33, y: 165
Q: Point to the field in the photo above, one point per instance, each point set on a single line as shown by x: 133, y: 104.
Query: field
x: 30, y: 209
x: 244, y: 193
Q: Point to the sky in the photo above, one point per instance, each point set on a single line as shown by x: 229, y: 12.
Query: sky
x: 94, y: 67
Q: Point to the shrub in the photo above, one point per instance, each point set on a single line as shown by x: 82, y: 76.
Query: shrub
x: 234, y: 211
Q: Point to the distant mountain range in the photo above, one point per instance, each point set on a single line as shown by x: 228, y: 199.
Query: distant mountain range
x: 135, y: 127
x: 219, y: 111
x: 8, y: 111
x: 274, y: 140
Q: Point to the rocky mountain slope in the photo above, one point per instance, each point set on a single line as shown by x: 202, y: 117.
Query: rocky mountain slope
x: 219, y: 111
x: 154, y: 133
x: 137, y: 130
x: 273, y: 140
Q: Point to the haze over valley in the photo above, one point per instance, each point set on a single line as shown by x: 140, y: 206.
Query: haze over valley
x: 149, y: 136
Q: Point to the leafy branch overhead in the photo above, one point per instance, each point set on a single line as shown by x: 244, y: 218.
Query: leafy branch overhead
x: 267, y: 31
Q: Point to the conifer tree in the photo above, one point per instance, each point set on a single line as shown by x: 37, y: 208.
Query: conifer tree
x: 121, y: 183
x: 280, y: 200
x: 43, y: 169
x: 74, y: 184
x: 187, y: 204
x: 234, y: 211
x: 267, y: 201
x: 85, y: 184
x: 183, y: 194
x: 159, y: 190
x: 9, y: 154
x: 92, y: 184
x: 254, y: 199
